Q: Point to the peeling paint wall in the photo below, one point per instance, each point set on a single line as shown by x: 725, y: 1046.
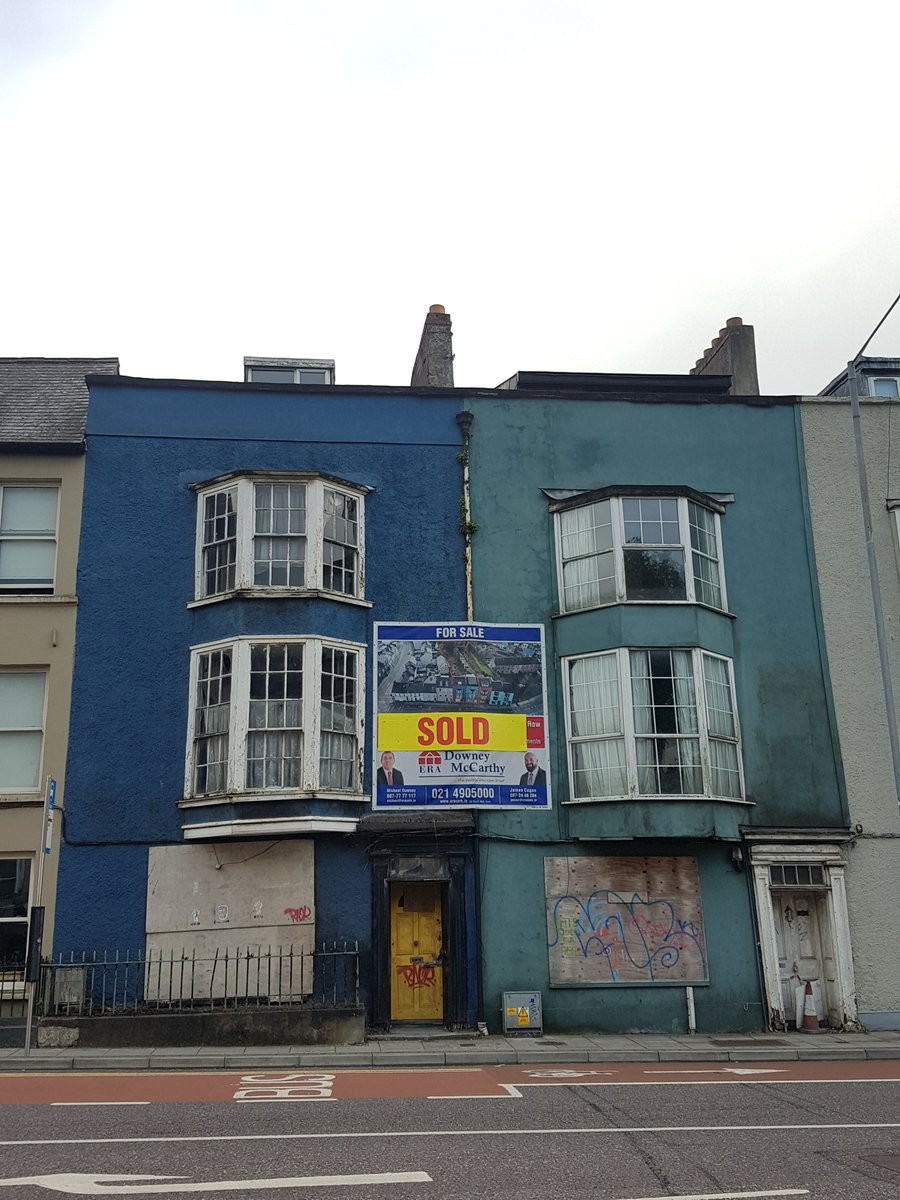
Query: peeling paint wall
x: 522, y: 444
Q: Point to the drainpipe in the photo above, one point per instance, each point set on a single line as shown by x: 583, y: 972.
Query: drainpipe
x: 874, y: 585
x: 465, y: 420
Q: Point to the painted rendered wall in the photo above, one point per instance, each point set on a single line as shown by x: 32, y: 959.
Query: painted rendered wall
x: 523, y: 444
x: 837, y: 520
x: 146, y: 445
x: 39, y: 631
x: 514, y: 940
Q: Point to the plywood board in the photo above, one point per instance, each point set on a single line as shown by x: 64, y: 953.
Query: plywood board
x: 249, y: 888
x: 234, y: 918
x: 624, y: 920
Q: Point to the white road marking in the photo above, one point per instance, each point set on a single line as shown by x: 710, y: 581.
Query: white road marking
x: 657, y: 1083
x: 93, y: 1103
x: 420, y: 1133
x: 513, y: 1094
x: 311, y: 1087
x: 755, y: 1070
x: 731, y: 1195
x: 117, y: 1185
x: 716, y: 1070
x: 565, y: 1074
x: 290, y: 1100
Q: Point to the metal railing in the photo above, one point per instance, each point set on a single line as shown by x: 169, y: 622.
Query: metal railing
x: 101, y: 983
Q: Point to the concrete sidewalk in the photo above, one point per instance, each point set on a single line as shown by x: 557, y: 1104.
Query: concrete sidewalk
x: 446, y: 1049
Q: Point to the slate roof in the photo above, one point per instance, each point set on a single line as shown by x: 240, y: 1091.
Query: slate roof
x: 43, y: 401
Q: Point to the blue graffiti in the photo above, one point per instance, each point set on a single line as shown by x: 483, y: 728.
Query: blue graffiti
x: 637, y: 934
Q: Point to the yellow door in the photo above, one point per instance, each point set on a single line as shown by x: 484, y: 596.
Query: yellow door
x: 417, y: 973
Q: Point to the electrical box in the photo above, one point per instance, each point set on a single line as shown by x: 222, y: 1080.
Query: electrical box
x: 522, y: 1014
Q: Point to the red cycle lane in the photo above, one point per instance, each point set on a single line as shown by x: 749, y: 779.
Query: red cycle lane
x: 481, y: 1082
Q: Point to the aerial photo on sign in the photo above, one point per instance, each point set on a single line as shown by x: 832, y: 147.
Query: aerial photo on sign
x: 460, y: 716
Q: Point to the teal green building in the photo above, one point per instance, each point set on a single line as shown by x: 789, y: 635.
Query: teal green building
x: 689, y: 874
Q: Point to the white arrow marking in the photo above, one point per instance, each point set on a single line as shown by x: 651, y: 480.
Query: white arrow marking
x: 564, y: 1074
x: 721, y: 1070
x: 755, y: 1070
x: 114, y: 1185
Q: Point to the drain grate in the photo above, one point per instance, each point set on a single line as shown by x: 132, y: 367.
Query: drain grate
x: 748, y: 1042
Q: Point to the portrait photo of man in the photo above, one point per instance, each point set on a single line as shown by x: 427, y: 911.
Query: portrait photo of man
x: 534, y: 776
x: 387, y: 776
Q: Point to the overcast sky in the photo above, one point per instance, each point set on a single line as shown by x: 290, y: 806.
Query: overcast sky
x: 584, y: 184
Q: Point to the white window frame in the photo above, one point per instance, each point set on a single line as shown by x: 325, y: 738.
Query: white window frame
x: 11, y: 981
x: 620, y: 546
x: 629, y: 735
x: 36, y: 789
x: 244, y: 485
x: 238, y: 730
x: 8, y: 589
x: 299, y: 367
x: 873, y: 379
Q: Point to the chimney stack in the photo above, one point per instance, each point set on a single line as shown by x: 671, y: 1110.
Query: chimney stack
x: 732, y: 353
x: 434, y: 362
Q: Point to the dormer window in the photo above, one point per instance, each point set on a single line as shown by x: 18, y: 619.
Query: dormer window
x: 289, y: 370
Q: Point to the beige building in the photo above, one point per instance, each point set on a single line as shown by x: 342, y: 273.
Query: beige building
x: 43, y: 407
x: 873, y: 856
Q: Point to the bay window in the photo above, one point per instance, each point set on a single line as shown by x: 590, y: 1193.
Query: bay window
x: 631, y: 548
x: 655, y: 722
x: 275, y: 716
x: 279, y: 533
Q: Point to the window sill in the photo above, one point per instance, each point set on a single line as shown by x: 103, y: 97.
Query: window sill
x: 276, y: 827
x: 722, y: 612
x: 280, y: 594
x: 656, y: 799
x: 35, y: 598
x: 24, y: 796
x: 264, y: 797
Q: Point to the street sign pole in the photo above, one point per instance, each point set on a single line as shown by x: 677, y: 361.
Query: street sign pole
x: 36, y: 915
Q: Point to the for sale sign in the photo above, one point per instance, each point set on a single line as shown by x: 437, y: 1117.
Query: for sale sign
x: 460, y: 717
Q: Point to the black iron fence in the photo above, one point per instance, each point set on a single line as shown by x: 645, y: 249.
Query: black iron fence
x: 105, y: 982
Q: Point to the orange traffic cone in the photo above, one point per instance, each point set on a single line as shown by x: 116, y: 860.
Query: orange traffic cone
x: 810, y: 1017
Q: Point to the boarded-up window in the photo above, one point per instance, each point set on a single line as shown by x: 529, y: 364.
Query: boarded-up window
x: 624, y: 921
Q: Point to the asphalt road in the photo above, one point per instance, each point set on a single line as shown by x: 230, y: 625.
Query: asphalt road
x: 545, y: 1134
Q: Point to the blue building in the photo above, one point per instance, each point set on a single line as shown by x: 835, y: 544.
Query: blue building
x: 238, y: 542
x: 691, y: 872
